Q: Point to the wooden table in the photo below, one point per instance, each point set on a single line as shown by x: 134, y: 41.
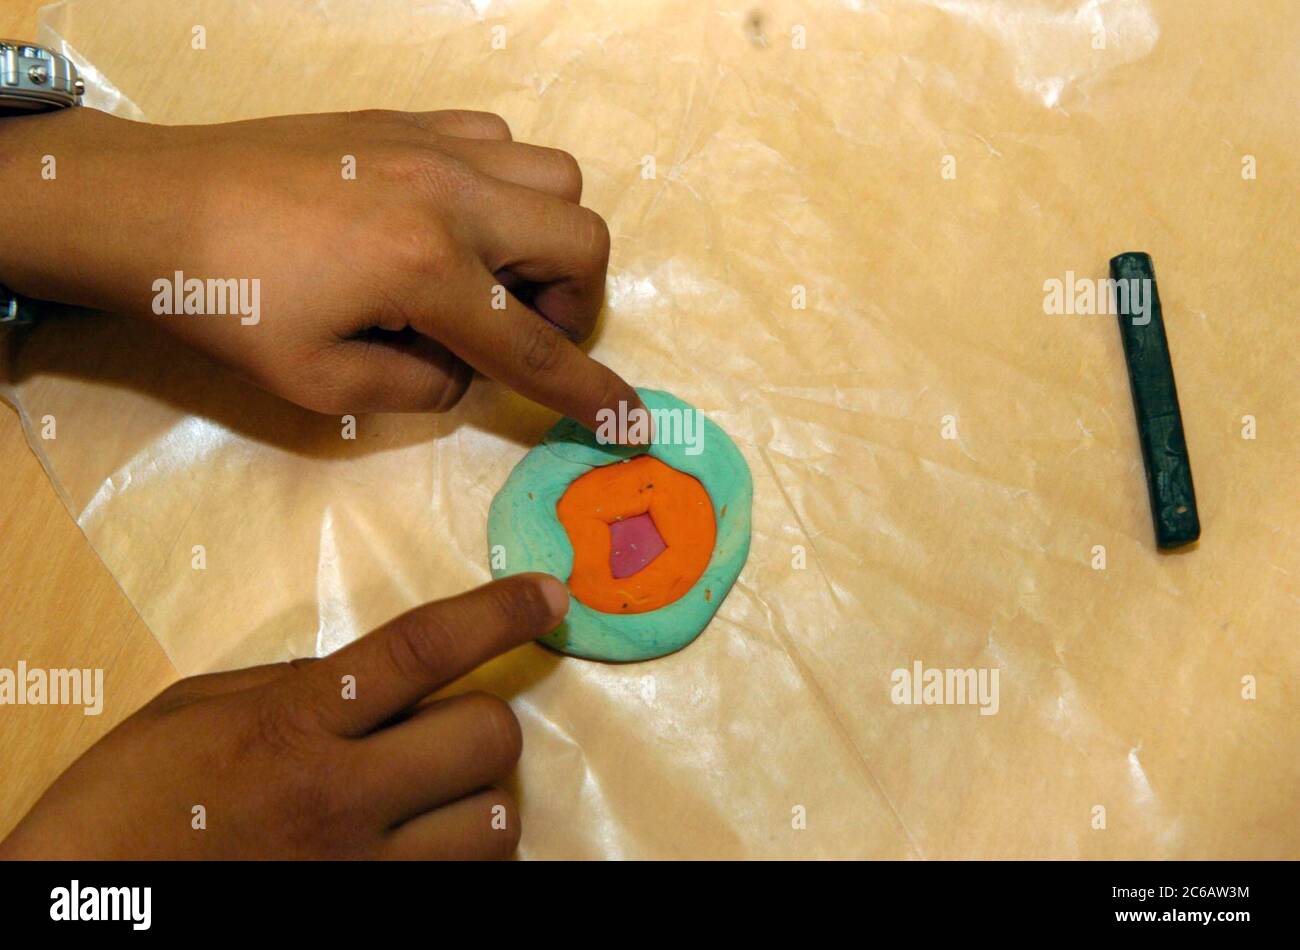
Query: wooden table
x: 60, y: 607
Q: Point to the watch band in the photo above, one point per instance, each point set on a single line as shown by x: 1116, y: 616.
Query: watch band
x: 35, y: 79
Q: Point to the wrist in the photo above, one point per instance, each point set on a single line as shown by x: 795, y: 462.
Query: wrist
x: 69, y: 209
x: 33, y: 260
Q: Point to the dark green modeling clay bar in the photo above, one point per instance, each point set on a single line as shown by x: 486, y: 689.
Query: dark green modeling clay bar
x: 1155, y: 400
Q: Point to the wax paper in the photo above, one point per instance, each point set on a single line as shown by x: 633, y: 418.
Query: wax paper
x: 833, y: 225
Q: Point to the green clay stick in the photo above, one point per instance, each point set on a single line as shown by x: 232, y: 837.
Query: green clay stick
x: 1155, y: 400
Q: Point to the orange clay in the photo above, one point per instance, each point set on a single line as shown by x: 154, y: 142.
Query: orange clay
x: 681, y: 511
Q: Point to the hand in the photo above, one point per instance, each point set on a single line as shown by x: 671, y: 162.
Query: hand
x: 375, y: 293
x: 285, y: 766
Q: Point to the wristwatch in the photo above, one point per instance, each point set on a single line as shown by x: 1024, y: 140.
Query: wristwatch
x: 32, y: 79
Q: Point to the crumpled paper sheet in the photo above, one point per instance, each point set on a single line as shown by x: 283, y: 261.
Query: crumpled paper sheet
x: 778, y: 167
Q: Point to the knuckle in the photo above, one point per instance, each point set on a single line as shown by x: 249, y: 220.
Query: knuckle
x: 303, y: 776
x: 504, y: 739
x: 466, y: 123
x: 371, y: 116
x: 540, y: 349
x: 498, y: 126
x: 317, y: 815
x: 594, y: 238
x: 416, y: 648
x: 438, y: 175
x: 491, y: 125
x: 519, y: 601
x: 567, y: 171
x: 281, y: 726
x: 419, y: 247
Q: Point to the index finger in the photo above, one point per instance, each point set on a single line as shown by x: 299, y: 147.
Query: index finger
x: 518, y: 347
x: 406, y: 659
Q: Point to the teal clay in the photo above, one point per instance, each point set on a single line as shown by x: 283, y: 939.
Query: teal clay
x: 524, y: 533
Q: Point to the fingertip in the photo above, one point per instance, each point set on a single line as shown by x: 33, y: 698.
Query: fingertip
x: 638, y: 432
x: 556, y: 595
x: 621, y: 417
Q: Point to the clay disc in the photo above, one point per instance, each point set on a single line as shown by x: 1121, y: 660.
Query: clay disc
x: 525, y: 532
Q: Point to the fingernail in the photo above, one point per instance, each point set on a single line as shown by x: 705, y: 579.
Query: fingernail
x: 557, y: 596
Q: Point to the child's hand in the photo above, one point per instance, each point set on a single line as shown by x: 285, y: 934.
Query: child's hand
x: 376, y: 291
x: 284, y: 766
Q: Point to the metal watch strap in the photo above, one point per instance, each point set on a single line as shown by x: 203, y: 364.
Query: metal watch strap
x: 35, y: 79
